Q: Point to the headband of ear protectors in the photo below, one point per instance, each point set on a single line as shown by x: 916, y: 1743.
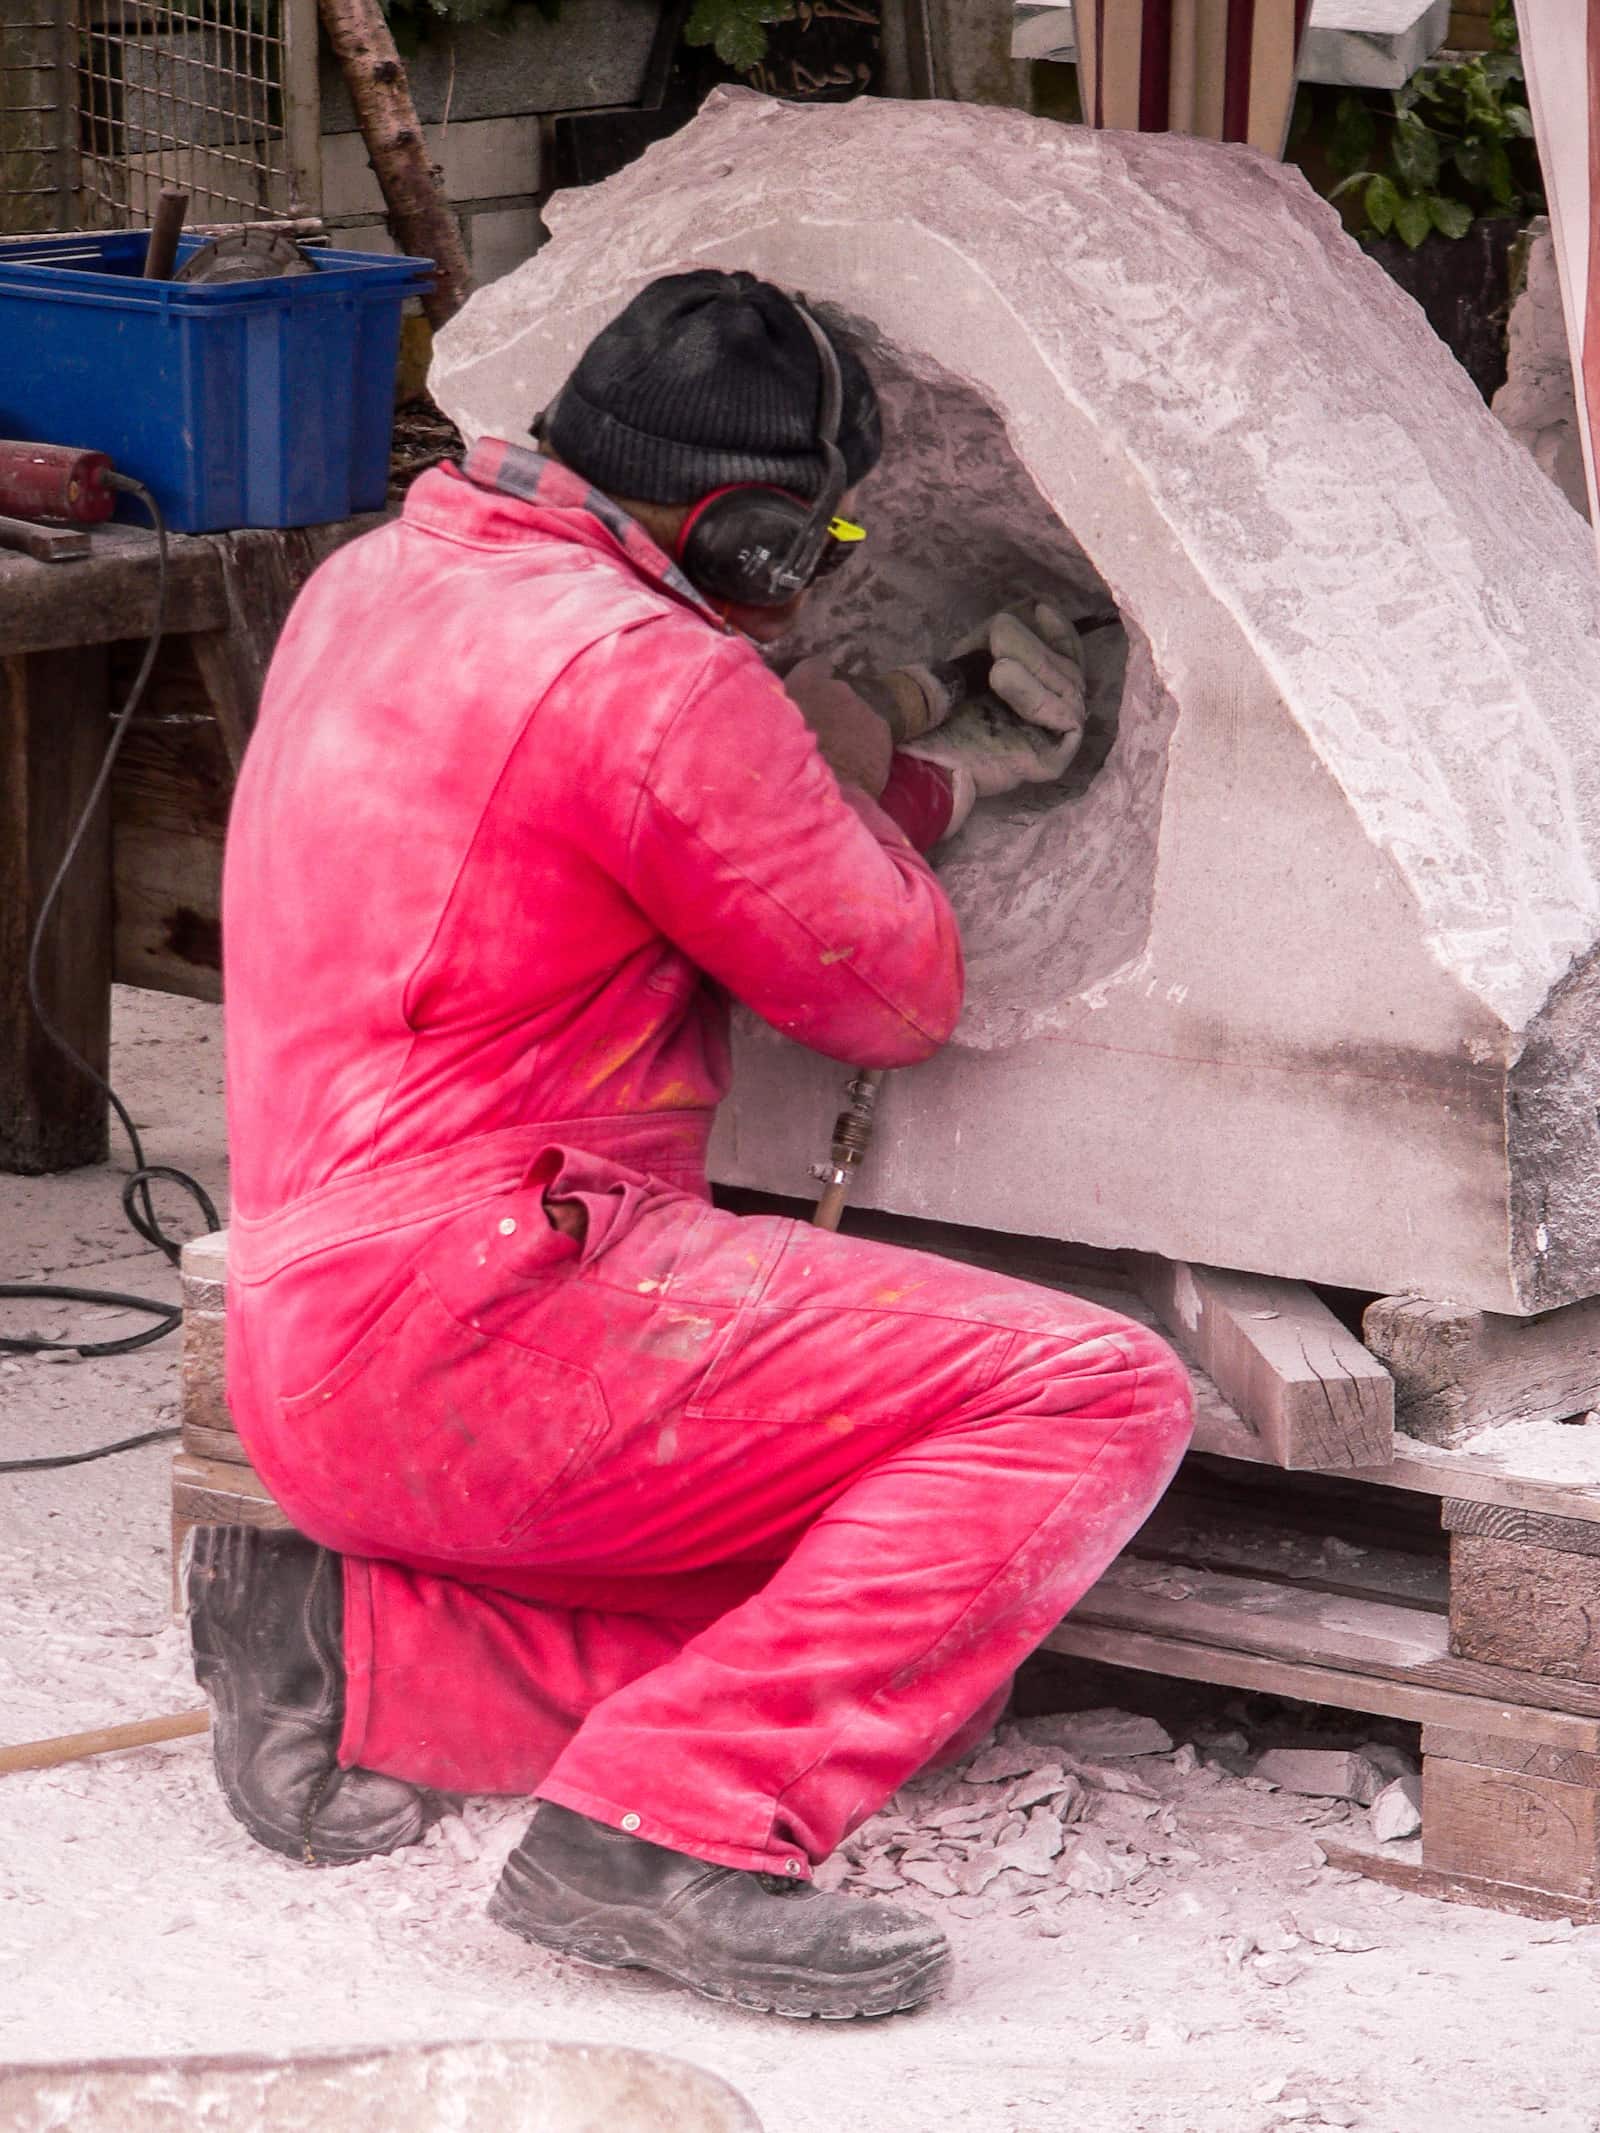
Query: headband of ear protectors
x: 750, y: 545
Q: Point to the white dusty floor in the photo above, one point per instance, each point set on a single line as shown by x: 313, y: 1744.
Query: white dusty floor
x: 136, y: 1918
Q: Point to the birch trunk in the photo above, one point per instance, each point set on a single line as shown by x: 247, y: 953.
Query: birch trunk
x: 419, y: 215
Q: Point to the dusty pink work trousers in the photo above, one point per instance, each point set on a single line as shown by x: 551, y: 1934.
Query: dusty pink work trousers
x: 715, y: 1528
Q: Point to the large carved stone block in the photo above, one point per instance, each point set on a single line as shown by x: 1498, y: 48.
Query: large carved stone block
x: 1295, y: 970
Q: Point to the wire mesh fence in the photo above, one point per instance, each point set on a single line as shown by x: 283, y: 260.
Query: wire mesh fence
x: 38, y: 116
x: 187, y: 93
x: 104, y: 102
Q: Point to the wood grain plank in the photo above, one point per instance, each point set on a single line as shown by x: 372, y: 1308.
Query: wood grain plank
x: 1335, y: 1687
x: 1457, y: 1372
x: 1313, y: 1395
x: 53, y: 726
x: 170, y: 796
x: 1532, y: 1529
x: 1222, y: 1610
x: 109, y: 597
x: 1516, y: 1605
x: 1502, y: 1752
x: 1510, y: 1826
x: 222, y: 1445
x: 1474, y: 1889
x: 209, y: 1492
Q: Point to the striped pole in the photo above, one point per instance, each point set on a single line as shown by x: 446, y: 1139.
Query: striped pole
x: 1224, y: 69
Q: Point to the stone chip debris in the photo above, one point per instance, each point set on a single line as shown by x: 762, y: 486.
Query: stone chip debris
x: 1025, y: 1823
x: 1397, y: 1810
x: 1321, y: 1774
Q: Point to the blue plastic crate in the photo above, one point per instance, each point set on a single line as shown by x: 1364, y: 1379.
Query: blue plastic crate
x: 257, y: 403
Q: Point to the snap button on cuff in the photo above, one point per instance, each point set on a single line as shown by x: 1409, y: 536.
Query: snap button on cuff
x: 791, y: 1866
x: 630, y: 1823
x: 508, y: 1226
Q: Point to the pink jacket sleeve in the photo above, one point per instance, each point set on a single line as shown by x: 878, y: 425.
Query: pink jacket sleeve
x: 799, y: 895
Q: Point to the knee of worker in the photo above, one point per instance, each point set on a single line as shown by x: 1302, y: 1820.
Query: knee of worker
x: 1115, y: 1382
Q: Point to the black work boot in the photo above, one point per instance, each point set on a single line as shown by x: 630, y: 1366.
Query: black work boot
x: 266, y: 1625
x: 587, y: 1891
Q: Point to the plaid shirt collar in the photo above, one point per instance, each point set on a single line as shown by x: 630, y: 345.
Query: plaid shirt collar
x: 531, y: 477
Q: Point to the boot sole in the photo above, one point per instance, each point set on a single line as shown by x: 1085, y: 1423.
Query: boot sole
x: 799, y: 1994
x: 208, y: 1551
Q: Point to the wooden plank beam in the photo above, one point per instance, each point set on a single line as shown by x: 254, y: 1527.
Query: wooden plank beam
x: 1509, y: 1522
x: 109, y: 596
x: 1503, y: 1752
x: 1457, y: 1372
x: 1336, y: 1687
x: 1432, y: 1470
x: 1503, y: 1825
x: 1312, y: 1393
x: 1382, y: 1864
x: 1224, y: 1611
x: 1533, y: 1608
x: 207, y: 1492
x: 170, y: 797
x: 53, y: 732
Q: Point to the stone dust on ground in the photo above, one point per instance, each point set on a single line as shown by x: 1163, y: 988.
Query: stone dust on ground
x: 1146, y: 1937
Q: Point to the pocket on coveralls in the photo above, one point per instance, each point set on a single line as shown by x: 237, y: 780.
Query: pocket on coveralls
x: 447, y: 1427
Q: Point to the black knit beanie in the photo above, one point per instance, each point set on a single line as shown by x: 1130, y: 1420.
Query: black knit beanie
x: 707, y: 379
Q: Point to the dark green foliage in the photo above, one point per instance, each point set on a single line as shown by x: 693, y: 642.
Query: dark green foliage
x: 735, y: 29
x: 1454, y: 144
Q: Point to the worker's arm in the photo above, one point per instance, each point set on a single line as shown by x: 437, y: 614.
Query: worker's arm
x: 798, y: 894
x: 1008, y: 710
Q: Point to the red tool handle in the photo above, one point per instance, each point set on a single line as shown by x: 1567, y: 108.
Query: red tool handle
x: 55, y: 481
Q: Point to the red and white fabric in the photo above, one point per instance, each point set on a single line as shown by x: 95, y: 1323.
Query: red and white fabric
x: 1224, y: 69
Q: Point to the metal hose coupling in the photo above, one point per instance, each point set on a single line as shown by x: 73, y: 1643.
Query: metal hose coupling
x: 852, y: 1137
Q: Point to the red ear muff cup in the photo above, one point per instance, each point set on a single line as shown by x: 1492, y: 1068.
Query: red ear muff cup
x: 736, y: 545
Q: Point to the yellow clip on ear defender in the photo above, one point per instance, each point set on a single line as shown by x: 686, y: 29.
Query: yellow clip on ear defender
x: 753, y: 545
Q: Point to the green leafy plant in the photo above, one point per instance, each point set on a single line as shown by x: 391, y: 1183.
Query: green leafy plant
x: 1454, y: 143
x: 736, y: 29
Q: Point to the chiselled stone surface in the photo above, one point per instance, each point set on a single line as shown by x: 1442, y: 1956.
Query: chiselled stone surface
x: 1538, y: 403
x: 1294, y: 972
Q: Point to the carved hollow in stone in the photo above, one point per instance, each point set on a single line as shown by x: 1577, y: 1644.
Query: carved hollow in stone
x: 1300, y: 978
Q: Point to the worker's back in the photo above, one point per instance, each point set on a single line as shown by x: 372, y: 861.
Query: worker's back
x: 419, y: 946
x: 514, y: 796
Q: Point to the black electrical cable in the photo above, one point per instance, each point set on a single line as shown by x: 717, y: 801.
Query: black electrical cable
x: 137, y: 1204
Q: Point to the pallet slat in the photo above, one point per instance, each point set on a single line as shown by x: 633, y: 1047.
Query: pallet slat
x: 1223, y: 1611
x: 1336, y: 1687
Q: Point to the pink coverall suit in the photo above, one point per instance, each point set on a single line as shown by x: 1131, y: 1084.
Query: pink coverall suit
x: 709, y: 1527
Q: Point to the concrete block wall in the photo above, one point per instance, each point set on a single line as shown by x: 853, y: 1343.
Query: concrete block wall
x: 491, y: 175
x: 480, y: 93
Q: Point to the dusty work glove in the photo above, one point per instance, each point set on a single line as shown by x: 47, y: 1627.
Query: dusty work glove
x: 1037, y: 670
x: 1026, y: 727
x: 856, y: 744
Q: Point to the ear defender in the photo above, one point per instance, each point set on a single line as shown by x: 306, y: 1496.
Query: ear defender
x: 736, y: 543
x: 750, y: 545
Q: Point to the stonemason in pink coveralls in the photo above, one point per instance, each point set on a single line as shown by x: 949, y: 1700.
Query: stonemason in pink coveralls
x: 709, y: 1529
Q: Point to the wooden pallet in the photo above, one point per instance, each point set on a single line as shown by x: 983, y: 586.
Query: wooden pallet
x: 213, y: 1482
x: 1438, y: 1585
x: 1476, y: 1627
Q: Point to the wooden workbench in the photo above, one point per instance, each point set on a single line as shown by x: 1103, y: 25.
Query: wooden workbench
x: 70, y: 639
